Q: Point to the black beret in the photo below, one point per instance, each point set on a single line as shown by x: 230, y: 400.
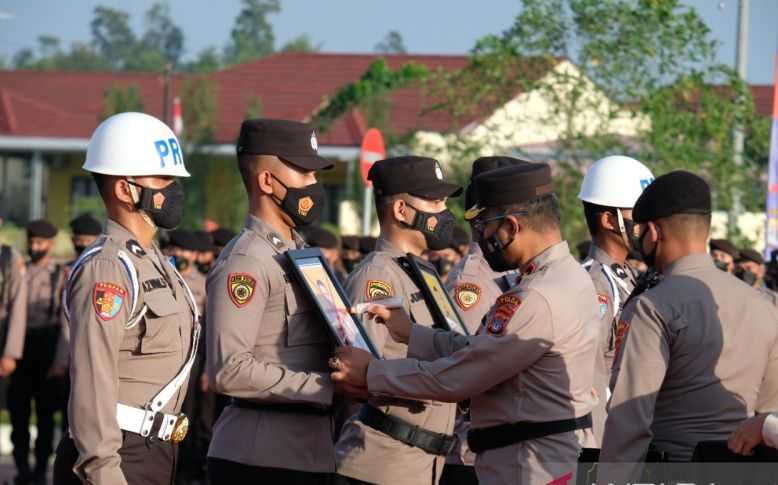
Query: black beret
x: 418, y: 176
x: 367, y: 244
x: 291, y: 141
x: 725, y: 246
x: 511, y: 185
x: 86, y: 225
x: 204, y: 240
x: 350, y: 242
x: 485, y: 164
x: 183, y: 239
x: 41, y: 228
x: 321, y: 238
x: 222, y: 236
x: 748, y: 254
x: 677, y: 192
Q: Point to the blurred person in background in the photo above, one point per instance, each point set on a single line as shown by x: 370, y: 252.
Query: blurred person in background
x: 750, y: 268
x: 205, y: 255
x: 724, y: 254
x: 221, y: 237
x: 329, y: 244
x: 349, y: 252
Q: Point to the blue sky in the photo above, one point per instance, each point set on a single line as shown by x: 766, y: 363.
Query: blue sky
x: 428, y: 26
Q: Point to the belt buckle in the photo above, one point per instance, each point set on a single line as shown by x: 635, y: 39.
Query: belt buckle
x: 180, y: 429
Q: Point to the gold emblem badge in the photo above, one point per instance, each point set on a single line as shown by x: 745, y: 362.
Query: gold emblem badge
x: 240, y: 287
x: 432, y: 223
x: 158, y: 200
x: 304, y: 206
x: 467, y: 295
x: 180, y: 429
x: 377, y: 289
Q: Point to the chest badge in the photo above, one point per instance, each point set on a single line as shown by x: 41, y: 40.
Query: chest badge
x: 377, y: 289
x: 240, y: 287
x: 467, y: 295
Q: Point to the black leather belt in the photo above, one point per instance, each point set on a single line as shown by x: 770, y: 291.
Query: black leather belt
x: 292, y: 408
x: 412, y: 435
x: 482, y: 439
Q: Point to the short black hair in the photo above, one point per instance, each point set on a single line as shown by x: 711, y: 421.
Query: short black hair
x: 592, y: 213
x: 543, y: 212
x: 383, y: 205
x: 102, y: 181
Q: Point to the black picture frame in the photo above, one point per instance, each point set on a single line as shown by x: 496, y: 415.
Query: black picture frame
x: 435, y: 295
x: 310, y: 263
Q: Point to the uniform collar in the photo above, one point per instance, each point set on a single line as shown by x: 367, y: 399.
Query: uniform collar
x: 475, y: 249
x: 280, y: 244
x: 386, y: 246
x: 689, y: 263
x: 548, y: 256
x: 117, y: 231
x: 598, y: 254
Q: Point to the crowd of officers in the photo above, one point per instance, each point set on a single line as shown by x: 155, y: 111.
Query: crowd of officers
x: 198, y: 357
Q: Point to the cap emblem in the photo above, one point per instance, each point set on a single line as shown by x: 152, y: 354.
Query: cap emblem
x: 314, y: 142
x: 438, y: 172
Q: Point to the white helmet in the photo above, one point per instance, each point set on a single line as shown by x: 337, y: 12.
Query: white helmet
x: 134, y: 144
x: 615, y: 181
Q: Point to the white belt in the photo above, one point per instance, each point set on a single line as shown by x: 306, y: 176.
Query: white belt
x: 140, y: 421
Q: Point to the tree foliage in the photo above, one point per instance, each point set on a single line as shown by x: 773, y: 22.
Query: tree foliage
x: 118, y: 99
x: 252, y: 35
x: 301, y: 44
x: 392, y: 43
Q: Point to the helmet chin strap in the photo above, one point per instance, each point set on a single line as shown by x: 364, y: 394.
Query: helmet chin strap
x: 136, y: 199
x: 623, y: 229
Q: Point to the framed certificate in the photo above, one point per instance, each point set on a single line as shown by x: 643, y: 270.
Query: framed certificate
x: 315, y: 275
x: 435, y: 294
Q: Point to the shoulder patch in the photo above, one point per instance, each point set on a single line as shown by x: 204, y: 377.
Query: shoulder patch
x: 377, y: 289
x: 467, y: 295
x: 501, y: 314
x: 240, y: 287
x: 108, y: 298
x: 621, y: 332
x: 603, y: 302
x: 135, y: 248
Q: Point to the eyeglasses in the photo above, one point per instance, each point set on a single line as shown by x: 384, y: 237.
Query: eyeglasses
x: 479, y: 225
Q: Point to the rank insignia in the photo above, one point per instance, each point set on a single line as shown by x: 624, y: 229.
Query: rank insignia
x: 621, y: 332
x: 108, y: 299
x: 603, y: 301
x: 377, y: 289
x: 304, y: 206
x: 241, y: 287
x: 276, y: 241
x: 501, y: 315
x: 467, y: 295
x: 135, y: 248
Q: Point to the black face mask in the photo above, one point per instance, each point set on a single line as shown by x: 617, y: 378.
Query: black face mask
x: 444, y: 266
x: 438, y: 227
x: 204, y: 268
x: 182, y: 264
x: 79, y: 249
x: 164, y: 206
x: 748, y: 277
x: 648, y: 258
x: 36, y: 256
x: 350, y: 264
x: 494, y: 253
x: 302, y: 204
x: 721, y: 265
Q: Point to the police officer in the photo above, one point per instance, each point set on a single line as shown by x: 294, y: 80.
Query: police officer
x: 410, y: 200
x: 608, y: 191
x: 474, y: 287
x: 749, y: 267
x: 267, y: 345
x: 698, y: 352
x: 329, y: 244
x: 133, y: 322
x: 724, y: 254
x: 530, y: 369
x: 183, y: 247
x: 31, y: 380
x: 13, y: 308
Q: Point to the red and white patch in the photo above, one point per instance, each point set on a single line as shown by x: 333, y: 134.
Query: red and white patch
x: 107, y: 299
x: 501, y: 314
x: 602, y: 300
x: 621, y: 332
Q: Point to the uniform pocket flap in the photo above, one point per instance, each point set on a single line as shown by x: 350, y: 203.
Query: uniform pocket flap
x: 161, y: 303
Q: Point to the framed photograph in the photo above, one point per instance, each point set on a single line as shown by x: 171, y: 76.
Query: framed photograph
x: 313, y: 272
x: 438, y: 301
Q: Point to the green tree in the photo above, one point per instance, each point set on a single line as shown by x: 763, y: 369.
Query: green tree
x: 207, y: 61
x: 301, y: 44
x: 162, y: 35
x: 252, y: 35
x: 119, y: 99
x: 392, y: 43
x: 112, y: 35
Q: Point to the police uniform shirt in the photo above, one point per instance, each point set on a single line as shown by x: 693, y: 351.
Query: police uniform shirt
x: 768, y: 294
x: 267, y: 344
x: 613, y: 284
x: 532, y: 360
x: 474, y: 287
x: 196, y: 283
x: 699, y: 355
x: 13, y: 305
x: 113, y: 363
x: 363, y: 452
x: 43, y: 295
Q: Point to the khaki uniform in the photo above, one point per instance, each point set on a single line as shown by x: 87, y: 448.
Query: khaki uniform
x: 699, y: 356
x: 196, y: 283
x: 363, y: 452
x: 267, y: 344
x: 113, y: 363
x: 613, y: 284
x: 13, y: 305
x: 474, y: 287
x: 532, y: 361
x: 769, y: 294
